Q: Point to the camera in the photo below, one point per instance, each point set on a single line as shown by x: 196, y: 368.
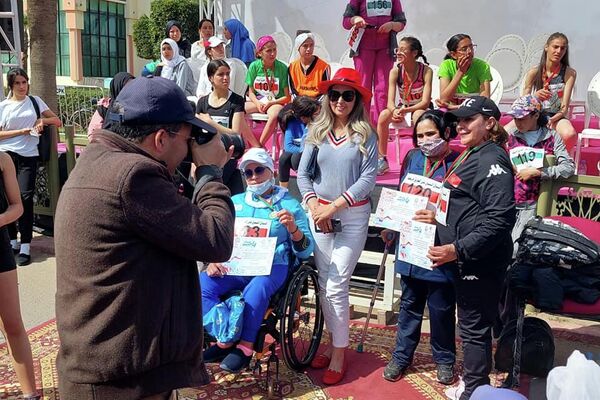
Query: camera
x: 203, y: 136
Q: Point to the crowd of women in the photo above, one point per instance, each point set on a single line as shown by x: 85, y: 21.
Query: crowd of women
x: 336, y: 133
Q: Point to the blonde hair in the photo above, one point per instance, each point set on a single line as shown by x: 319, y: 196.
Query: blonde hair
x: 358, y: 122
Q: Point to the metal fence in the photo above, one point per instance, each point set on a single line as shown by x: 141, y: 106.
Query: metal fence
x: 77, y: 104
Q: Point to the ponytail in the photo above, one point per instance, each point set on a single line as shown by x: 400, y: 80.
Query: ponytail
x: 302, y: 106
x: 498, y: 134
x: 415, y: 45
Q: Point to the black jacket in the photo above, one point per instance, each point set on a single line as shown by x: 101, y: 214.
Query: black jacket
x: 481, y: 211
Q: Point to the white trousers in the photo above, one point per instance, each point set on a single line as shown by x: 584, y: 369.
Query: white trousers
x: 336, y: 255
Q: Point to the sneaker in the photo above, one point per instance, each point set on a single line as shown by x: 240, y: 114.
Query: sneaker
x: 454, y: 392
x: 382, y: 166
x: 445, y: 373
x: 393, y: 371
x: 235, y: 361
x: 23, y: 260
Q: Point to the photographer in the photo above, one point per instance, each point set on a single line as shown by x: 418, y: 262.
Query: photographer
x: 128, y: 303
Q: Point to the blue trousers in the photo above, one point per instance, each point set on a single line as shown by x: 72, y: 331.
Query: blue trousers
x: 257, y: 291
x: 441, y: 301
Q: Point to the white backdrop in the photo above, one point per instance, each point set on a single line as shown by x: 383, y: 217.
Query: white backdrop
x: 433, y: 21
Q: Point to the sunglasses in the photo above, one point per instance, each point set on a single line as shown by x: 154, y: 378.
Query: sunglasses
x: 258, y: 171
x: 347, y: 95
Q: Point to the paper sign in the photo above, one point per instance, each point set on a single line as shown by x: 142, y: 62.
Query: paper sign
x: 526, y: 157
x: 395, y: 208
x: 395, y: 211
x: 251, y: 256
x: 415, y: 240
x: 354, y: 37
x: 430, y: 188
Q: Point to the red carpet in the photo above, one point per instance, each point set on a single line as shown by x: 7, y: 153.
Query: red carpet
x: 363, y: 380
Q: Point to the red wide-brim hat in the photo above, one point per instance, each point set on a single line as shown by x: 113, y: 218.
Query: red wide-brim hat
x: 348, y: 77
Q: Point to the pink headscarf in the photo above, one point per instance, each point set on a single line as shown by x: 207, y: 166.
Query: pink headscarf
x: 262, y: 41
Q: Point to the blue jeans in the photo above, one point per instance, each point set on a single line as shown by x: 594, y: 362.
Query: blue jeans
x: 441, y: 300
x: 257, y: 291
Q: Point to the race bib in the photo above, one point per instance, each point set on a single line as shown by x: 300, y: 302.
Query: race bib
x: 261, y: 86
x: 526, y: 157
x: 223, y: 121
x: 252, y: 227
x: 379, y: 8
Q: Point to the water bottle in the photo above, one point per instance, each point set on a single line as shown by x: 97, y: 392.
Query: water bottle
x: 582, y: 170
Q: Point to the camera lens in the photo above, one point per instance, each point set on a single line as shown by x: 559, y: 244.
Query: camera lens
x: 237, y: 142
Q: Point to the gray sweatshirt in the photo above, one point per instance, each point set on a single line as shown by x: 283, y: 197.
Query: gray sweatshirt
x: 344, y: 170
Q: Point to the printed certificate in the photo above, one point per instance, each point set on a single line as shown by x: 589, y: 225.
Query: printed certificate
x: 251, y: 256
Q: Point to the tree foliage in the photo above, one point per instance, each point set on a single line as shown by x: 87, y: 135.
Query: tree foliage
x: 149, y: 31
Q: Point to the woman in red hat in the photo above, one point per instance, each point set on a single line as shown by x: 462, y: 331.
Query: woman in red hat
x: 336, y: 190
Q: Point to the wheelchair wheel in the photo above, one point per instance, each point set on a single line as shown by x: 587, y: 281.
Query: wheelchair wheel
x: 301, y: 319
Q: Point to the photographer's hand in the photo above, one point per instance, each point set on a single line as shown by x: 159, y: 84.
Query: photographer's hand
x: 211, y: 153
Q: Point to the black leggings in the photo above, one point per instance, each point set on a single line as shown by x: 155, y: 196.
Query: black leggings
x: 287, y: 161
x: 26, y: 172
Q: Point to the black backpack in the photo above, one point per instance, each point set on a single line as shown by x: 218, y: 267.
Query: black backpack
x: 537, y: 347
x: 552, y: 243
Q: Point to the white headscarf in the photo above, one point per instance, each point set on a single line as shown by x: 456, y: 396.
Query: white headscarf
x: 169, y: 65
x: 301, y: 38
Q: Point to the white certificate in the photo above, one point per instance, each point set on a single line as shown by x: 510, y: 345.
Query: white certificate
x: 251, y: 256
x: 395, y: 211
x: 395, y: 208
x: 526, y: 157
x: 415, y: 240
x: 433, y: 190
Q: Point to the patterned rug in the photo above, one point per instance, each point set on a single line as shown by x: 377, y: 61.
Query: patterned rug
x: 363, y: 379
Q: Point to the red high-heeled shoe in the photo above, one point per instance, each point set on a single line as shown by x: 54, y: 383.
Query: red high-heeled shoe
x: 332, y: 377
x: 321, y: 361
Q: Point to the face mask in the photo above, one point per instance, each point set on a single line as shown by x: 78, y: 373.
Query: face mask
x: 434, y: 148
x: 261, y: 188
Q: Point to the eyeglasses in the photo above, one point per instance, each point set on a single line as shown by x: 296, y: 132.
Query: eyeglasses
x: 189, y: 140
x: 347, y: 95
x: 258, y: 171
x: 464, y: 49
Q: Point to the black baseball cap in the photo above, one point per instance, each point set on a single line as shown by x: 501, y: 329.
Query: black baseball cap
x: 475, y: 105
x: 154, y: 100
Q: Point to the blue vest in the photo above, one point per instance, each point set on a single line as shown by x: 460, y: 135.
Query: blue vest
x: 415, y: 163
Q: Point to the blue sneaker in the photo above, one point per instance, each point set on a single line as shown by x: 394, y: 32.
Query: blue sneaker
x: 235, y: 361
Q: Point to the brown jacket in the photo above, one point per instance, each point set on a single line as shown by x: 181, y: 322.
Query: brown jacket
x: 128, y: 301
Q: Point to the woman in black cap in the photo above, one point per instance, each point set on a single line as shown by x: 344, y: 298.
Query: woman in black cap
x: 175, y: 32
x: 477, y: 234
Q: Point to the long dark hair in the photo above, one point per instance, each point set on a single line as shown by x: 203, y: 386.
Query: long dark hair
x: 446, y: 129
x: 452, y: 43
x: 538, y: 80
x: 213, y: 66
x: 203, y: 20
x: 415, y: 45
x: 302, y: 106
x: 12, y: 74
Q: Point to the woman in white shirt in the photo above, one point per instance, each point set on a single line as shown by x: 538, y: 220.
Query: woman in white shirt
x: 215, y: 50
x: 20, y: 128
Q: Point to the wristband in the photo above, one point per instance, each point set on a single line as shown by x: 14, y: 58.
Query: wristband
x: 296, y: 230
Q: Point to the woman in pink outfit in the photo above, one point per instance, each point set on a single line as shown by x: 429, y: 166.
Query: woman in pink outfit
x: 375, y: 56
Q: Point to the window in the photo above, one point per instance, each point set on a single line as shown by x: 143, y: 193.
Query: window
x: 103, y: 39
x: 63, y: 68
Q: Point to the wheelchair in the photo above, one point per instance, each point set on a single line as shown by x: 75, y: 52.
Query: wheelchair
x: 294, y: 321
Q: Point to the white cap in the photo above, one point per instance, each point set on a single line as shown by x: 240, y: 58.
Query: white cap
x: 214, y: 41
x: 257, y: 155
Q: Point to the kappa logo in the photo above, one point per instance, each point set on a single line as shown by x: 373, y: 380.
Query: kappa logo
x: 495, y: 169
x: 470, y: 278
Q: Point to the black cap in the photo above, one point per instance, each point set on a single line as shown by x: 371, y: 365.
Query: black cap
x: 475, y: 105
x: 154, y: 100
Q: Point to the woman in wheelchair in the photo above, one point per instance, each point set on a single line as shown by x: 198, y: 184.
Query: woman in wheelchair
x: 288, y: 222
